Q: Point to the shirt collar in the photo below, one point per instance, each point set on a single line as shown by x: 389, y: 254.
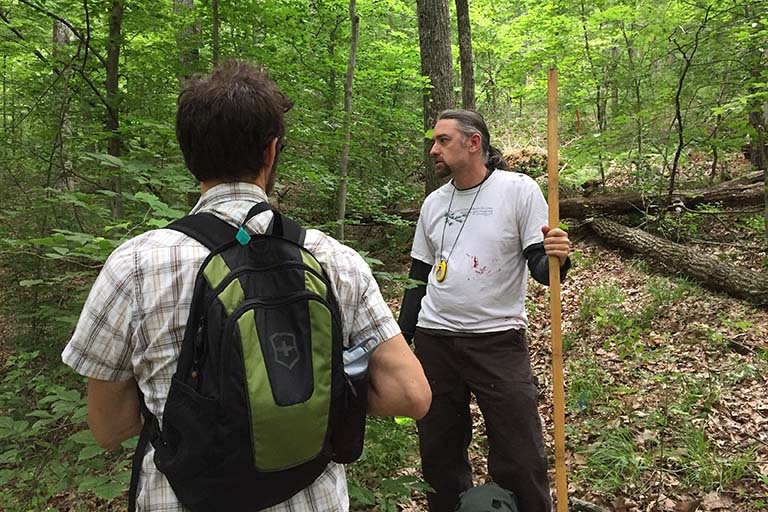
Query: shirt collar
x: 229, y: 191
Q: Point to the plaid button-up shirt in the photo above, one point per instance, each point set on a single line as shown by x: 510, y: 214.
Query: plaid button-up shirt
x: 133, y: 323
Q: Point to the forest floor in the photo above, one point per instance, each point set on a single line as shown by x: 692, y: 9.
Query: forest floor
x: 666, y: 388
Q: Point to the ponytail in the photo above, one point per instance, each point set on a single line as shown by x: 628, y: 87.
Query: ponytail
x: 496, y: 160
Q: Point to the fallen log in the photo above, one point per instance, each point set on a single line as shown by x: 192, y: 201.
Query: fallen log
x: 737, y: 194
x: 710, y: 272
x: 748, y: 190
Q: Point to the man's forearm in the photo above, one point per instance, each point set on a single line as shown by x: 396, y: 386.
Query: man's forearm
x: 113, y: 411
x: 398, y: 386
x: 409, y: 310
x: 538, y: 264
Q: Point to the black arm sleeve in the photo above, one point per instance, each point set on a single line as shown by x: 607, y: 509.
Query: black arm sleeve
x: 538, y: 263
x: 409, y: 311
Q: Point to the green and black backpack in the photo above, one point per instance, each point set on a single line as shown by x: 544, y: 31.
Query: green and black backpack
x: 260, y: 402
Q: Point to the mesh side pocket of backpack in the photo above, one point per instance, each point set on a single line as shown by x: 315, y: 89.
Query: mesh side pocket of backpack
x: 189, y: 426
x: 348, y: 432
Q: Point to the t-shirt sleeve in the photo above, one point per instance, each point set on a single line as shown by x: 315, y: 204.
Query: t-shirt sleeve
x: 422, y: 247
x: 101, y: 345
x: 533, y: 215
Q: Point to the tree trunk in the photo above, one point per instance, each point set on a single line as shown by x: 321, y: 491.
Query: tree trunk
x: 740, y: 192
x: 112, y: 124
x: 687, y: 61
x: 600, y: 101
x: 5, y: 94
x: 437, y: 67
x: 716, y: 275
x: 637, y: 99
x: 465, y: 55
x: 341, y: 203
x: 215, y: 32
x: 758, y: 113
x: 60, y: 161
x: 187, y: 40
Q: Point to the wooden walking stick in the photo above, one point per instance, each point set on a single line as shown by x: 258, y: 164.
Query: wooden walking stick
x: 558, y: 394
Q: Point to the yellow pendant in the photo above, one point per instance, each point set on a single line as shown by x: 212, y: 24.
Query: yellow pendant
x: 440, y: 270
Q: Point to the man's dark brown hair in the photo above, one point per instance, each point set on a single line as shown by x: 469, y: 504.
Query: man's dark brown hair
x: 470, y: 122
x: 227, y: 118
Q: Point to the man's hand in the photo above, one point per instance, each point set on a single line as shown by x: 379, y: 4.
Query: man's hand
x: 556, y: 243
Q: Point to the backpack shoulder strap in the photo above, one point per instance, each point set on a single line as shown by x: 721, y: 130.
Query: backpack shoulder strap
x: 147, y: 436
x: 206, y: 228
x: 281, y: 226
x: 293, y: 231
x: 213, y: 232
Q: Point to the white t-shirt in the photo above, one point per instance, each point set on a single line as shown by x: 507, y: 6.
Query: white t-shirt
x: 485, y: 284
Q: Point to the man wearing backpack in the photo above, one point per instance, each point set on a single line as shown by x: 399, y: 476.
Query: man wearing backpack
x: 230, y: 127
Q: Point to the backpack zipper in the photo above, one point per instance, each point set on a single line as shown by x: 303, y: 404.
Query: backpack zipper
x: 246, y: 268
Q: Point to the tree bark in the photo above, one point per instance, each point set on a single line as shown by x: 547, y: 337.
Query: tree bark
x: 437, y: 67
x: 716, y: 275
x: 62, y: 38
x: 758, y: 116
x: 341, y: 203
x: 112, y: 124
x: 465, y: 55
x: 729, y: 193
x: 187, y: 40
x: 215, y: 32
x: 638, y: 100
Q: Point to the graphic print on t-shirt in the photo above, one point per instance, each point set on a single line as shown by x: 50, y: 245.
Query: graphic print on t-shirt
x: 460, y: 215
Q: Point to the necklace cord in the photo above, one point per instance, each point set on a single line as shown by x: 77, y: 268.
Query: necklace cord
x: 445, y: 222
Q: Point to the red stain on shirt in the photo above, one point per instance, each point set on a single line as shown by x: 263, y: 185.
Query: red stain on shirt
x: 476, y: 266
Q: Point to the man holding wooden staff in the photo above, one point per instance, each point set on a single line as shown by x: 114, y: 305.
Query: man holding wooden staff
x: 474, y: 238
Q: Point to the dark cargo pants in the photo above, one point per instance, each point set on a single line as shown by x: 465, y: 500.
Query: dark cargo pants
x: 496, y: 369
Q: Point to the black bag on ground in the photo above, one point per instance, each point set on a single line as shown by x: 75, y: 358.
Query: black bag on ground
x: 487, y: 498
x: 259, y: 403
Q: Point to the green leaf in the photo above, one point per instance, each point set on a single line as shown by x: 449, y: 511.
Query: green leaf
x: 107, y: 159
x: 83, y: 437
x: 109, y: 491
x: 90, y: 451
x: 130, y: 444
x: 361, y: 494
x: 9, y: 457
x: 158, y: 223
x: 40, y: 414
x: 28, y: 283
x: 403, y: 420
x: 6, y: 475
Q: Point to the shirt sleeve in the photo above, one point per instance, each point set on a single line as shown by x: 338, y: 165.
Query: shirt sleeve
x: 101, y: 345
x: 532, y: 215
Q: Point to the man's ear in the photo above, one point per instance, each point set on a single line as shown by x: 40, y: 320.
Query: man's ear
x: 270, y: 153
x: 475, y: 143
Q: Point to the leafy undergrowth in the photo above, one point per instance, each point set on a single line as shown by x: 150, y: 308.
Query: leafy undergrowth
x: 666, y: 395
